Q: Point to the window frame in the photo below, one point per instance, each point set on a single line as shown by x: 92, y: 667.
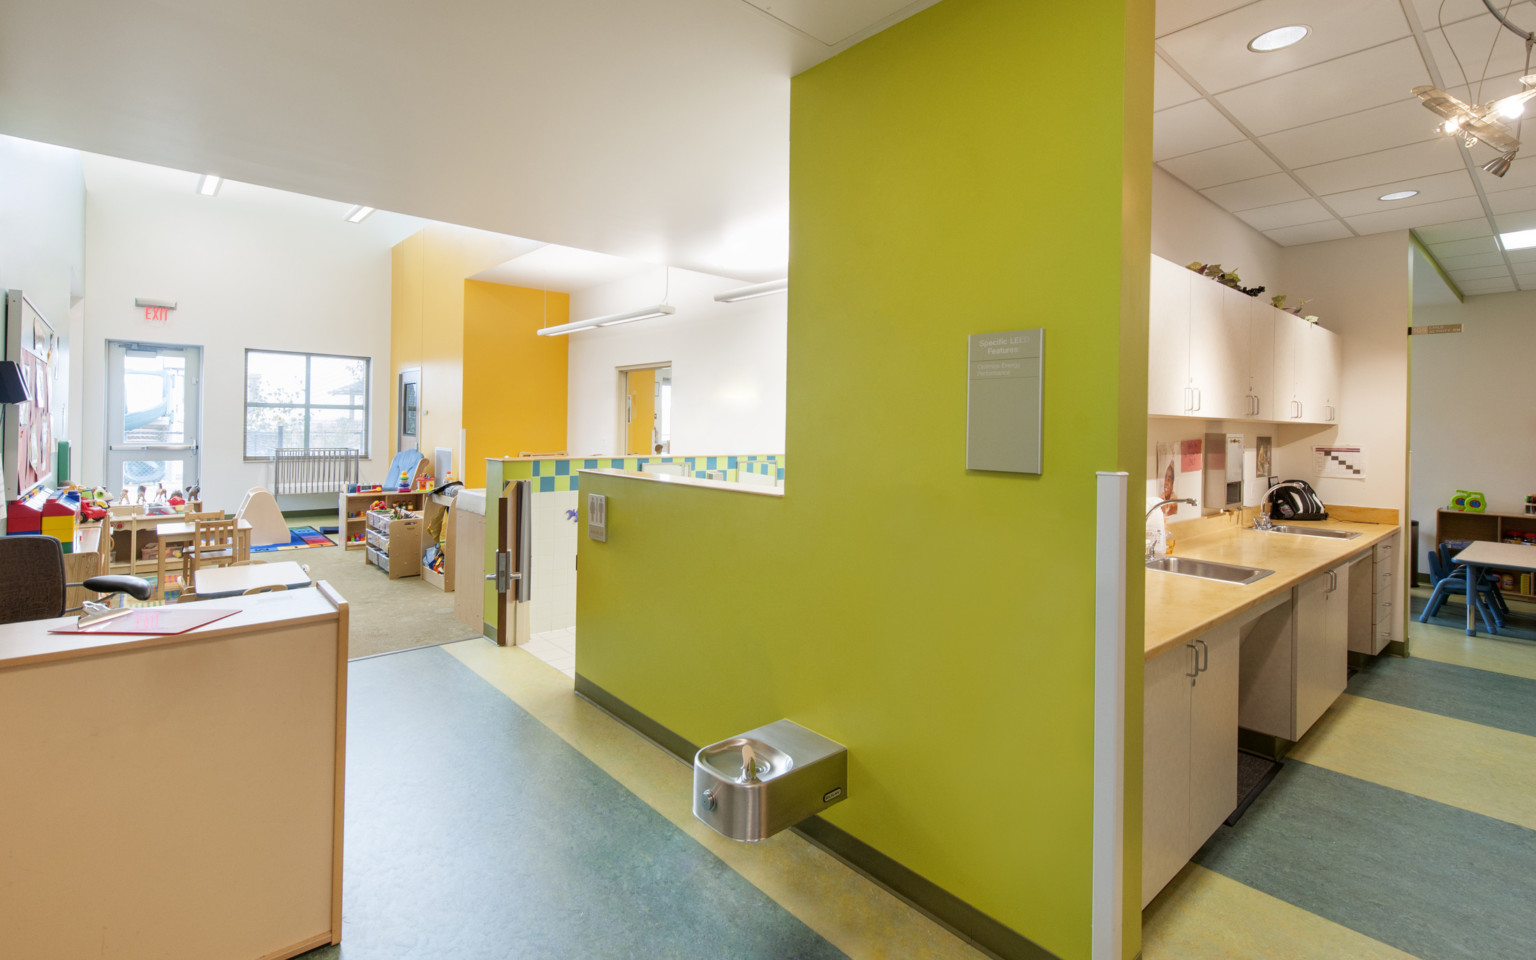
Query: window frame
x: 306, y: 406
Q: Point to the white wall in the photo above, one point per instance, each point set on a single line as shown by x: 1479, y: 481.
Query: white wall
x: 250, y: 267
x: 728, y: 363
x: 1474, y: 407
x: 1186, y: 227
x: 42, y: 253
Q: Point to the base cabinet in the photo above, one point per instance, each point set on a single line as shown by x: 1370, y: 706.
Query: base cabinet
x: 1295, y: 658
x: 1189, y: 752
x: 1373, y: 599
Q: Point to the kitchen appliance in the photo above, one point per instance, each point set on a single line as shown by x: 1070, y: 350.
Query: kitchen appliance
x: 1223, y: 472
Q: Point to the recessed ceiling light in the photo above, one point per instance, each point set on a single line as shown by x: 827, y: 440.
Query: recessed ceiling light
x: 208, y: 184
x: 1518, y: 239
x: 358, y: 214
x: 1278, y: 38
x: 1399, y: 195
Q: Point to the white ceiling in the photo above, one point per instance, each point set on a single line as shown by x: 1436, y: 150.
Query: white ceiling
x: 550, y: 266
x: 1301, y: 143
x: 657, y: 130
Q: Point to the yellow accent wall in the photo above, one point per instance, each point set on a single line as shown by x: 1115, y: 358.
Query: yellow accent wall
x: 640, y: 386
x: 937, y: 621
x: 428, y: 331
x: 514, y: 380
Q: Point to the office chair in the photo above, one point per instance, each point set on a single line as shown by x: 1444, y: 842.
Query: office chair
x: 33, y: 585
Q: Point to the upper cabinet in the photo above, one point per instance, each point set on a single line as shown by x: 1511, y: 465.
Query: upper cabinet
x: 1219, y: 354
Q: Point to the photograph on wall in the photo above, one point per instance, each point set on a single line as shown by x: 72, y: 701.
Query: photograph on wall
x: 1264, y: 457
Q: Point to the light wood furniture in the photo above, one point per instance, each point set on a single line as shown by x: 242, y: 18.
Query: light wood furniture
x: 212, y: 545
x: 437, y: 517
x: 353, y: 510
x: 176, y: 795
x: 1373, y: 598
x: 1481, y: 557
x: 1189, y: 771
x: 1461, y: 525
x: 1295, y: 659
x: 89, y: 557
x: 394, y: 545
x: 240, y: 578
x: 267, y: 523
x: 180, y: 532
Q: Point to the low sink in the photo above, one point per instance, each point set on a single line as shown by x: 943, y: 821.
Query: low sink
x: 1208, y: 569
x: 1314, y: 532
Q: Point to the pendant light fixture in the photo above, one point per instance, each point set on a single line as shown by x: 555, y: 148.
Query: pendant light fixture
x: 755, y: 290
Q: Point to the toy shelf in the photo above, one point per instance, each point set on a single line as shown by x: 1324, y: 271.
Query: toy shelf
x: 1460, y: 527
x: 354, y: 508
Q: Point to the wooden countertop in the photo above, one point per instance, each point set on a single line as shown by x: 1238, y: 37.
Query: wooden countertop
x: 1180, y: 607
x: 30, y: 641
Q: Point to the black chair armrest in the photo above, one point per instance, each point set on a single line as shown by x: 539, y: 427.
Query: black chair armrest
x: 136, y: 587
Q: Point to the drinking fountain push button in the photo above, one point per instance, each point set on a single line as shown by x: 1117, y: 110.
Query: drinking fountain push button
x: 752, y: 786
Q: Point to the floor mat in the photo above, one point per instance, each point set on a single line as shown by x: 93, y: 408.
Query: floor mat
x: 1254, y: 773
x: 298, y: 537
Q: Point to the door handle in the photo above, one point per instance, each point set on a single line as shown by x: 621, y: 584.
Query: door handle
x: 1203, y: 662
x: 1195, y: 662
x: 1197, y: 398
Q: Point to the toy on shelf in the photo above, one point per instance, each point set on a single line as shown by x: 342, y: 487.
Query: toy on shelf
x: 377, y: 505
x: 1530, y: 503
x: 365, y: 488
x: 1470, y: 501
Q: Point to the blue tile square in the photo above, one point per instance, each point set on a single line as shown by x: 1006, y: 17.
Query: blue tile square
x: 546, y: 484
x: 575, y: 482
x: 589, y: 464
x: 562, y: 468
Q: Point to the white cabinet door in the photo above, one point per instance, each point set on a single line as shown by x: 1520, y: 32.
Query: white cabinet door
x: 1289, y: 331
x: 1317, y: 373
x: 1213, y: 734
x: 1168, y: 340
x: 1261, y: 360
x: 1165, y: 769
x: 1330, y: 374
x: 1218, y: 350
x: 1322, y: 645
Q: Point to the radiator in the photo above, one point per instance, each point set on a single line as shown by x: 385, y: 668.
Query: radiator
x: 313, y: 469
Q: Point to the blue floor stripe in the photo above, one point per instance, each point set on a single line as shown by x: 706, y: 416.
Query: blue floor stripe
x: 1432, y: 880
x: 474, y: 832
x: 1451, y: 690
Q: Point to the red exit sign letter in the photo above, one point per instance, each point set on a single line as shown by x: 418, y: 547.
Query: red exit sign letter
x: 157, y: 314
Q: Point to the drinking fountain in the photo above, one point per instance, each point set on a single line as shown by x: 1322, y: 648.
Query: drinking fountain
x: 751, y: 786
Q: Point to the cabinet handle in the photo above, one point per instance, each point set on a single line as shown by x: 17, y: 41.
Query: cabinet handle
x: 1203, y: 662
x: 1197, y: 398
x: 1189, y: 399
x: 1196, y: 662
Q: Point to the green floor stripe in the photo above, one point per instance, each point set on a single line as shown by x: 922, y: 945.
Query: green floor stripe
x: 1432, y: 880
x: 1451, y: 690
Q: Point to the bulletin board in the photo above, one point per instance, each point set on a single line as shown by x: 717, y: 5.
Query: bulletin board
x: 31, y: 341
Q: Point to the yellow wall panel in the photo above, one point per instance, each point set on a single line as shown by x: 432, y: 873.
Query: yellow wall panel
x: 640, y: 388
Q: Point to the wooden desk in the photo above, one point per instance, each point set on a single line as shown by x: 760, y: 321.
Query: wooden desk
x: 176, y: 796
x: 1478, y: 557
x: 183, y: 532
x: 233, y: 581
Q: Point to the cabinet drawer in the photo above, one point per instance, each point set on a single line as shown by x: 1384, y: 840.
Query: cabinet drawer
x: 1382, y: 613
x: 377, y: 540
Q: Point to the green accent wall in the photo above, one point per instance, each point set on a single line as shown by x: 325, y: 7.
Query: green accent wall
x: 982, y: 166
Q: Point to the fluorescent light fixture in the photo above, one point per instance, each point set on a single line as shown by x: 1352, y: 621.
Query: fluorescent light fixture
x: 1399, y: 195
x: 755, y: 290
x: 1278, y: 38
x: 644, y: 313
x: 358, y: 214
x: 208, y: 184
x: 1518, y: 239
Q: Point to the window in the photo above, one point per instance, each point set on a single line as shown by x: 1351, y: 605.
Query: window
x: 304, y: 400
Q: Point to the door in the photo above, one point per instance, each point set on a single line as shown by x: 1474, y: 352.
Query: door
x: 1261, y: 359
x: 154, y: 413
x: 1289, y: 331
x: 408, y: 411
x: 1215, y: 358
x: 508, y: 573
x: 1168, y: 339
x: 1322, y: 645
x: 1165, y: 768
x: 1213, y: 733
x: 640, y: 412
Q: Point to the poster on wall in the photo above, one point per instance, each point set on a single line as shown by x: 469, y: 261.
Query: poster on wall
x: 1342, y: 461
x: 1264, y: 457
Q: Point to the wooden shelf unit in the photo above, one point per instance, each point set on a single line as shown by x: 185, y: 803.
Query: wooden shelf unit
x: 394, y: 545
x: 358, y: 503
x: 1463, y: 525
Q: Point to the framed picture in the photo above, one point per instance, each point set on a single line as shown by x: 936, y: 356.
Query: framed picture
x: 1264, y: 457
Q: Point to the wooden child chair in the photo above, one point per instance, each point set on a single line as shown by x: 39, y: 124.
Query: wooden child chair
x: 213, y: 545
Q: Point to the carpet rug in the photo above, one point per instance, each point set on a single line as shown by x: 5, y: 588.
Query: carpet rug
x: 298, y: 537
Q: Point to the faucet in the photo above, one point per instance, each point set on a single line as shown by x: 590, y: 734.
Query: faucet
x: 1262, y: 521
x: 749, y: 765
x: 1164, y: 503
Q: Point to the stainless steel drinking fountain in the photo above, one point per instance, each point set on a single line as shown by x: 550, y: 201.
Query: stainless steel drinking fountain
x: 756, y: 784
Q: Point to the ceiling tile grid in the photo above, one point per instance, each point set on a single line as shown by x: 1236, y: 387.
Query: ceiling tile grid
x: 1303, y: 142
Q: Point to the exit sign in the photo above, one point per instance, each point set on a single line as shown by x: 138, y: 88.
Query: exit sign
x: 157, y: 314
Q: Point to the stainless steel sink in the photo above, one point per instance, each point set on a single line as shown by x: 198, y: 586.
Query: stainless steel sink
x: 1315, y: 532
x: 1208, y: 569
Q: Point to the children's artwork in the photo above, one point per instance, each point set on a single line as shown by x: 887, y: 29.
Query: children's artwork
x: 1264, y: 457
x: 1339, y: 461
x: 1189, y: 456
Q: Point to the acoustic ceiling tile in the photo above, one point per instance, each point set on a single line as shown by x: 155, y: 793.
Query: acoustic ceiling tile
x: 1462, y: 248
x: 1383, y: 166
x: 1472, y: 40
x: 1210, y: 168
x: 1456, y: 230
x: 1291, y: 214
x: 1175, y: 15
x: 1433, y: 188
x: 1362, y: 131
x: 1518, y: 220
x: 1434, y: 12
x: 1471, y: 262
x: 1407, y: 218
x: 1259, y: 192
x: 1512, y: 201
x: 1522, y: 173
x: 1479, y: 287
x: 1190, y: 128
x: 1308, y: 233
x: 1215, y: 52
x: 1479, y: 273
x: 1168, y: 88
x: 1370, y: 78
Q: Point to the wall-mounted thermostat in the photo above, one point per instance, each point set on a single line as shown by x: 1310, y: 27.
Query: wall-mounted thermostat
x: 1002, y: 419
x: 597, y: 517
